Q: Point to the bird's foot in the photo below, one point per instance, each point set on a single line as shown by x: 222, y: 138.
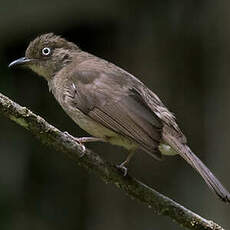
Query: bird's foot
x: 79, y: 141
x: 123, y: 165
x: 122, y: 168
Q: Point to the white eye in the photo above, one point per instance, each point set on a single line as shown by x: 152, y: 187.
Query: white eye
x: 46, y: 51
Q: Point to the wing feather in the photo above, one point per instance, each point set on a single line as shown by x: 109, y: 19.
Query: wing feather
x: 118, y: 108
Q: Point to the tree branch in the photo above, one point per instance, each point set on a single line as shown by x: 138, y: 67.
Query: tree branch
x: 92, y: 162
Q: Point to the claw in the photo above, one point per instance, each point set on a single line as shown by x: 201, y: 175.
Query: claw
x: 125, y: 163
x: 66, y: 133
x: 82, y: 149
x: 123, y: 169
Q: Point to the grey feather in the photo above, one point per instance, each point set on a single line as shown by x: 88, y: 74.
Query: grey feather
x: 123, y: 111
x: 185, y: 152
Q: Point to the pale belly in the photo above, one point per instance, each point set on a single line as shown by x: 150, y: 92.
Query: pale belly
x: 97, y: 130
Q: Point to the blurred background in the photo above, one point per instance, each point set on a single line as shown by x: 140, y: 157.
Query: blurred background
x: 180, y: 49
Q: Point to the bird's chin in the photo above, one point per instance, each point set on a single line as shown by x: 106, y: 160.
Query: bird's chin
x: 39, y: 70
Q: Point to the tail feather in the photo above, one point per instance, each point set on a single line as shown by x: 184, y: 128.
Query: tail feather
x: 213, y: 183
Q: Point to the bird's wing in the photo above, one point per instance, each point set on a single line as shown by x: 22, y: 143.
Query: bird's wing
x: 107, y: 99
x: 168, y: 119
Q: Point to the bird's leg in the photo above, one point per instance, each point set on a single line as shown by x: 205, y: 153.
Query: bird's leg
x: 84, y: 139
x: 123, y: 165
x: 81, y: 140
x: 88, y: 139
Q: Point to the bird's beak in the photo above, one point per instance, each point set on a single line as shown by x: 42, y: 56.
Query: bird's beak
x: 20, y: 61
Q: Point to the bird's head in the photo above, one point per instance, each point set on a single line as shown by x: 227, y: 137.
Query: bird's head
x: 47, y: 54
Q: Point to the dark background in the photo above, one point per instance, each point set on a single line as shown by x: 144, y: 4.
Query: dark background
x: 180, y: 49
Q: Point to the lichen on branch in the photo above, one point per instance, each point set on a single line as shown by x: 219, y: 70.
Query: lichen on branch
x: 92, y: 162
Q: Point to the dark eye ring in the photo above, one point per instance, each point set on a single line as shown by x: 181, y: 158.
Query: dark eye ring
x: 46, y: 51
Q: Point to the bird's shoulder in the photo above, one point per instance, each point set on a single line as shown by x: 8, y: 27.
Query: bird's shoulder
x: 94, y: 69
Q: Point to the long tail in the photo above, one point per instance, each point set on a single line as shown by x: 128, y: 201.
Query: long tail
x: 212, y: 182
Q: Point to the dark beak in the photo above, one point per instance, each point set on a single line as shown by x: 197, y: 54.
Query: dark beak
x: 20, y: 61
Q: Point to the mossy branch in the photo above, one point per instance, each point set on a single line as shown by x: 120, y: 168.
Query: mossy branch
x: 92, y: 162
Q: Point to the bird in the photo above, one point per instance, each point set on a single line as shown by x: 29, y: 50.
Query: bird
x: 111, y: 104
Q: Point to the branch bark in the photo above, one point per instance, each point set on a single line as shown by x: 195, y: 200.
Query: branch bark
x: 92, y: 162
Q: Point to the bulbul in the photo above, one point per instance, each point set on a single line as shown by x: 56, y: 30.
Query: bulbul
x: 111, y: 104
